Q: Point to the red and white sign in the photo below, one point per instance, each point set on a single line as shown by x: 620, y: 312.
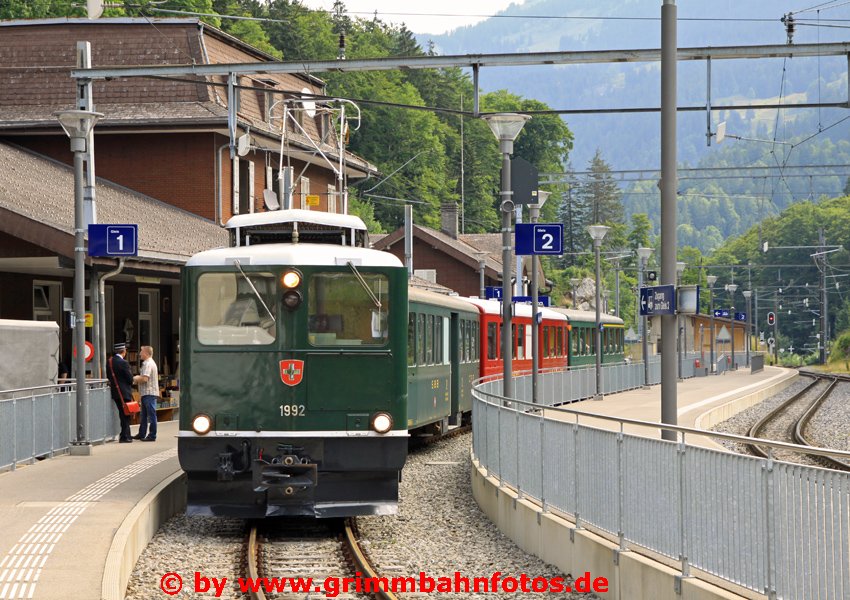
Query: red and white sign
x: 89, y: 351
x: 291, y: 371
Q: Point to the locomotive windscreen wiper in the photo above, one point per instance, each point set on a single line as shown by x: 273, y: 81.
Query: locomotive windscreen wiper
x: 253, y: 289
x: 364, y: 284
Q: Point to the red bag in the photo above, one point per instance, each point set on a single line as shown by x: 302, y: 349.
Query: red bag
x: 131, y: 407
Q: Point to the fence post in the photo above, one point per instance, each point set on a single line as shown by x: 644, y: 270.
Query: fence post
x: 620, y: 489
x: 575, y: 474
x: 770, y: 524
x: 518, y: 473
x: 683, y: 538
x: 542, y: 462
x: 499, y: 445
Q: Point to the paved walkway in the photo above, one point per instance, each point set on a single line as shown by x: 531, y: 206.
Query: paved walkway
x: 58, y: 516
x: 694, y: 397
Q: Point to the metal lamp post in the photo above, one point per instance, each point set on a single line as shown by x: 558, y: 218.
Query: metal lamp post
x: 506, y: 127
x: 680, y: 341
x: 77, y: 125
x: 482, y: 265
x: 643, y: 256
x: 732, y: 287
x: 597, y: 232
x: 711, y: 279
x: 747, y: 295
x: 534, y: 213
x: 574, y: 281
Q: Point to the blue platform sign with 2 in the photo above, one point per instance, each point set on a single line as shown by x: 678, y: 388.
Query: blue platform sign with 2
x: 539, y: 238
x: 113, y: 240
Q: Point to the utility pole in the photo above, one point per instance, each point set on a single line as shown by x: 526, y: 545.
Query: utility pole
x: 669, y: 185
x: 823, y: 302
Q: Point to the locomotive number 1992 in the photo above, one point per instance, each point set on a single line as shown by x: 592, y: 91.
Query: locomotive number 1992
x: 292, y: 410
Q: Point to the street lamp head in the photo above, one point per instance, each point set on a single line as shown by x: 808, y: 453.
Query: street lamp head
x: 747, y: 294
x: 644, y: 253
x: 77, y: 123
x: 506, y: 126
x: 680, y: 267
x: 574, y: 281
x: 711, y: 279
x: 597, y: 232
x: 731, y: 287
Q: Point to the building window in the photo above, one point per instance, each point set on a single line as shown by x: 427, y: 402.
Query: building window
x: 305, y: 189
x: 332, y: 208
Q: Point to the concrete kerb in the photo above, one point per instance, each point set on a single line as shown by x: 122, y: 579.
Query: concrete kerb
x: 718, y: 414
x: 136, y: 531
x: 555, y: 540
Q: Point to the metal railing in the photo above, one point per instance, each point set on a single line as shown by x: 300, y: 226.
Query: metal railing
x: 41, y: 421
x: 772, y: 527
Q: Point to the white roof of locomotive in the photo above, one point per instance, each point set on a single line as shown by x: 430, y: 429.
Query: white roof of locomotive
x: 274, y: 217
x: 295, y: 254
x: 521, y: 309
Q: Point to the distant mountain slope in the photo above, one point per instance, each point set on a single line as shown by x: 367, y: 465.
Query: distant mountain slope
x: 632, y: 141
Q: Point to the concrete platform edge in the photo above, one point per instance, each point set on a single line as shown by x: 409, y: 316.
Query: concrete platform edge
x: 631, y: 576
x: 718, y: 414
x: 136, y: 531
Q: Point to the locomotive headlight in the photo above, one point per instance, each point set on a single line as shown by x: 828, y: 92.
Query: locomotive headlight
x: 382, y: 422
x: 291, y: 279
x: 202, y: 424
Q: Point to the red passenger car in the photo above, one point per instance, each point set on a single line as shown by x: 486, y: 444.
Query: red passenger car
x: 552, y: 339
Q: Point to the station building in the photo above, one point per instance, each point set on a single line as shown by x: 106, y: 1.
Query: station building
x: 162, y: 160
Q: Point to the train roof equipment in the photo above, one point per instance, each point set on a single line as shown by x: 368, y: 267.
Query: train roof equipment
x: 294, y: 226
x: 494, y: 307
x: 295, y: 254
x: 587, y: 316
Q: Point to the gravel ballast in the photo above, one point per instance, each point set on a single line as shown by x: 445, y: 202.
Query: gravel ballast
x: 439, y: 531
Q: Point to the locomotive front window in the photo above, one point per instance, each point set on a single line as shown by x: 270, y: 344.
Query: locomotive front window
x: 231, y: 314
x: 342, y: 312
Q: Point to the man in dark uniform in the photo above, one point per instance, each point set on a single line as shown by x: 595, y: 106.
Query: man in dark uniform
x: 120, y: 383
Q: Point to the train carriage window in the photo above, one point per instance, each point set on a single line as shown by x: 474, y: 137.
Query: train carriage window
x: 476, y: 337
x: 520, y: 351
x: 230, y: 313
x: 545, y: 341
x: 342, y: 313
x: 513, y: 341
x: 411, y: 339
x: 438, y: 340
x: 420, y: 344
x: 492, y: 340
x: 429, y: 340
x: 560, y: 350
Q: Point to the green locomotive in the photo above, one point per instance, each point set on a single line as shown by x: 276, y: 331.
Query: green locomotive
x: 293, y: 372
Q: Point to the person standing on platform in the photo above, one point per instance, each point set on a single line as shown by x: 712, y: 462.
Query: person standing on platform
x: 148, y: 382
x: 121, y: 386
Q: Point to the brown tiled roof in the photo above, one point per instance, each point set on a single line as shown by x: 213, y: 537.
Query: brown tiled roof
x: 41, y: 191
x: 424, y: 284
x: 38, y: 55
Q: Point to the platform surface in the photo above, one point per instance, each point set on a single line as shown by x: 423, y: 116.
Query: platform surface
x: 59, y: 515
x: 695, y: 396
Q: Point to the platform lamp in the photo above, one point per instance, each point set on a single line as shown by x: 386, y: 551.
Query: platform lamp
x: 732, y: 287
x: 77, y: 124
x: 680, y: 268
x: 711, y: 279
x: 597, y: 232
x: 506, y: 127
x: 534, y: 213
x: 747, y: 295
x: 643, y: 257
x: 482, y: 266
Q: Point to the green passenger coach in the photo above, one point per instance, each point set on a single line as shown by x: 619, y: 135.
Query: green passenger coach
x: 293, y: 372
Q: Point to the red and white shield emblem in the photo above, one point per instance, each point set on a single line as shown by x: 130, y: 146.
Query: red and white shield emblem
x: 291, y: 371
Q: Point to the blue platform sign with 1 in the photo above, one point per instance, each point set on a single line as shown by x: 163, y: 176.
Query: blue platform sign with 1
x: 539, y: 238
x: 113, y: 240
x: 493, y: 292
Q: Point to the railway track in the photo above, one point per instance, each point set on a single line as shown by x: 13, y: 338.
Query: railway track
x: 326, y: 553
x: 795, y: 431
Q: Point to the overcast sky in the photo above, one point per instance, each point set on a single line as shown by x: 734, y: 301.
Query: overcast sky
x: 424, y: 23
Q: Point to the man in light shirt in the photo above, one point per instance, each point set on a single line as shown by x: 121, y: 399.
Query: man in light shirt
x: 148, y: 382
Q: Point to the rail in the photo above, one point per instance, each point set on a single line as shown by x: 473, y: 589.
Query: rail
x: 743, y: 519
x: 40, y: 422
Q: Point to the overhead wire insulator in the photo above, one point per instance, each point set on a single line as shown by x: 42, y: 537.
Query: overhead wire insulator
x: 788, y: 21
